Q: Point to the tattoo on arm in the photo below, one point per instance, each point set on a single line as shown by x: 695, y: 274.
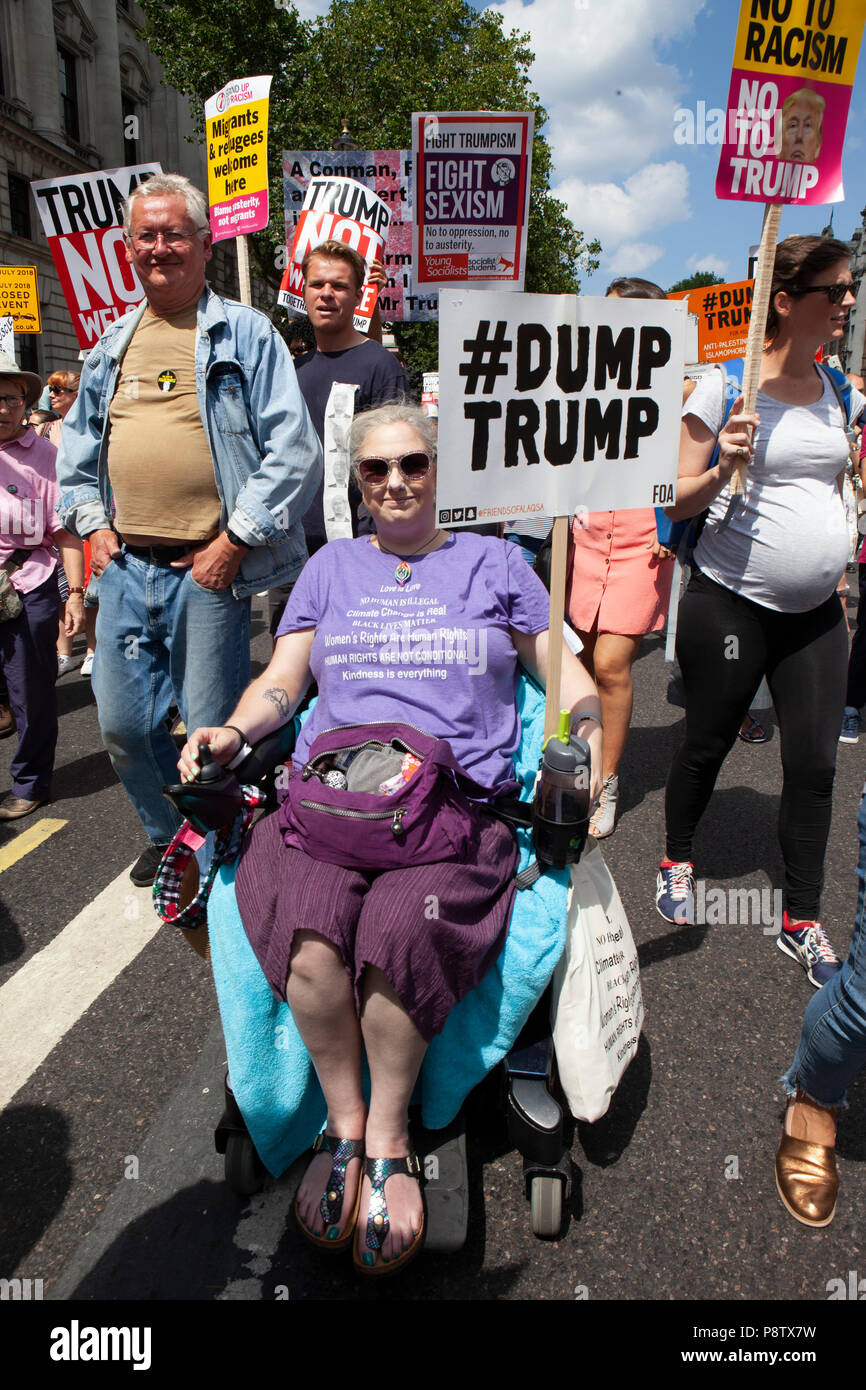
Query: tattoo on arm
x: 278, y: 697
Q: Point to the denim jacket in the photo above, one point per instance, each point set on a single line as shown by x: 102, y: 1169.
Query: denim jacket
x: 266, y: 454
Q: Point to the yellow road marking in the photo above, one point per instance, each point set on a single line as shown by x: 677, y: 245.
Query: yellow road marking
x: 28, y: 839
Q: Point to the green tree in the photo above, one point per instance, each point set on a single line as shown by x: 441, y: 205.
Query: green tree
x: 374, y: 64
x: 697, y: 281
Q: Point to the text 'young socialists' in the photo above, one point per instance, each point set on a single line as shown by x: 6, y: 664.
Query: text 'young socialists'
x: 407, y: 645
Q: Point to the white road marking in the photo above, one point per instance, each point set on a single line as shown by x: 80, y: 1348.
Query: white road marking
x: 42, y: 1000
x: 259, y: 1233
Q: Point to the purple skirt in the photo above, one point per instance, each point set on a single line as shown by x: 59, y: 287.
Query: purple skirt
x: 433, y: 930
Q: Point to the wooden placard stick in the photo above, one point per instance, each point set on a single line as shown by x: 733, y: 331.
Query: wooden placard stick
x: 557, y: 614
x: 758, y: 324
x: 244, y: 270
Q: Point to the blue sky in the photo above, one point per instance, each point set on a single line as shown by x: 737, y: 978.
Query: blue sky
x: 611, y: 74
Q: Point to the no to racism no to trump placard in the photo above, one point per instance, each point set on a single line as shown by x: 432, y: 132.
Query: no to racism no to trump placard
x: 556, y: 403
x: 794, y: 66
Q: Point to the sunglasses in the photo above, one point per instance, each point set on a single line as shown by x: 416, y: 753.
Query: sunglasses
x: 835, y: 293
x: 60, y: 391
x: 412, y: 467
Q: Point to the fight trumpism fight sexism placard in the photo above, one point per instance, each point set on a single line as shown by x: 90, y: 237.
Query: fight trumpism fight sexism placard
x: 556, y: 403
x: 236, y: 140
x: 471, y: 173
x: 82, y: 216
x: 337, y: 209
x: 794, y: 67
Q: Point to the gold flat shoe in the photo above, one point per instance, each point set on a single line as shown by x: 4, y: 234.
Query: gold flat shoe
x: 807, y: 1180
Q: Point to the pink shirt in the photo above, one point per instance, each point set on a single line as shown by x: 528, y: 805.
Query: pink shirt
x: 28, y: 496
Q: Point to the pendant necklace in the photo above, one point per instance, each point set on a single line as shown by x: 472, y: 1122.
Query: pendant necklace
x: 403, y: 572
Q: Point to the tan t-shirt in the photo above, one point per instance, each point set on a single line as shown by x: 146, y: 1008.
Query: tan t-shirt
x: 159, y: 462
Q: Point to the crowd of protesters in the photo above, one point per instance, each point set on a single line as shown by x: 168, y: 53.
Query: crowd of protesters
x: 765, y: 570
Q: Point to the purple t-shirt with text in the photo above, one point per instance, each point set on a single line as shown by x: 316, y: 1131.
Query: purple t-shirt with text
x: 434, y: 652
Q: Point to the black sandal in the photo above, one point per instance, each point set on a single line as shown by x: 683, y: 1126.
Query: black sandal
x: 753, y: 732
x: 379, y: 1170
x: 331, y: 1205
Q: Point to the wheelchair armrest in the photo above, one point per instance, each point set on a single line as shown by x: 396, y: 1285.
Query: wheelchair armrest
x: 275, y: 748
x: 214, y: 798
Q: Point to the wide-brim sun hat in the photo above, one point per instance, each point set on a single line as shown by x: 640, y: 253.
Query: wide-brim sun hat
x: 32, y: 382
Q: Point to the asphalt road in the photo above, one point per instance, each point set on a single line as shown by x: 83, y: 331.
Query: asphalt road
x: 109, y: 1185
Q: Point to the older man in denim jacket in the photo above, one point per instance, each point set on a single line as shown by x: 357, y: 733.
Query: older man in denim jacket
x: 188, y: 461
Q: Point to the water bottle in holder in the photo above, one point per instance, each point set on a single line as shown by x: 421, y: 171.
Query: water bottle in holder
x: 560, y: 810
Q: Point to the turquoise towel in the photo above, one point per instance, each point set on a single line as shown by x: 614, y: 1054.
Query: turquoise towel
x: 271, y: 1072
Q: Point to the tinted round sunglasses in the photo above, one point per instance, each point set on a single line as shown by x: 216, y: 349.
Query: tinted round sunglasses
x: 412, y: 466
x: 835, y: 293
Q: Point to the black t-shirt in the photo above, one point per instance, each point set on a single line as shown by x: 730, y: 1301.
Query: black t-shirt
x: 379, y: 378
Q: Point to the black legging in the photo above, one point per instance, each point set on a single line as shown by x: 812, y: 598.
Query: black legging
x: 856, y: 694
x: 725, y: 644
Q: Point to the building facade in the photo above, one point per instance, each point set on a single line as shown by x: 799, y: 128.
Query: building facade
x: 854, y: 356
x: 80, y: 91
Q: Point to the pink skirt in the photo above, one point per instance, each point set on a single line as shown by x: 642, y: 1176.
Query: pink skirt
x: 617, y: 584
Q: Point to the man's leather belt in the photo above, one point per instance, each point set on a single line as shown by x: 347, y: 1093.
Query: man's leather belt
x: 157, y: 554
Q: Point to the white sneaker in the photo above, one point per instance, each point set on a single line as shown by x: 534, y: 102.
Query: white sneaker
x: 64, y: 664
x: 604, y: 819
x: 850, y: 725
x: 87, y: 665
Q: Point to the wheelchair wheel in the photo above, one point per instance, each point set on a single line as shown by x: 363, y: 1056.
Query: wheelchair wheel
x: 545, y: 1199
x: 244, y: 1169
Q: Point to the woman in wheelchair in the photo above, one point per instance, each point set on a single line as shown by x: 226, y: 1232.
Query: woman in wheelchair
x: 417, y: 626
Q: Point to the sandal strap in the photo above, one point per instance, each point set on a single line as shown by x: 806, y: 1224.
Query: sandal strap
x: 343, y: 1151
x: 379, y: 1170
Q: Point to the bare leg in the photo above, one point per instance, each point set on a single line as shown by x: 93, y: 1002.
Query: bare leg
x: 612, y: 661
x: 322, y: 1002
x: 842, y: 591
x: 395, y: 1051
x: 64, y: 643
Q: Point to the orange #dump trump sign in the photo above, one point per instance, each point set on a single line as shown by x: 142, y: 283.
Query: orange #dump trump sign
x: 723, y: 313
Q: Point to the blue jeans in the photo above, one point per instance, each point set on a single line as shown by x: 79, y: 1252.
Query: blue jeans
x: 160, y: 635
x: 833, y: 1042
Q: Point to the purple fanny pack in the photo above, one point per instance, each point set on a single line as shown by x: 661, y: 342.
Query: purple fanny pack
x: 428, y: 819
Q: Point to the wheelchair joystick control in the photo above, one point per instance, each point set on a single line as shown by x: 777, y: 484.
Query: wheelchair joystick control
x: 560, y: 811
x: 209, y: 770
